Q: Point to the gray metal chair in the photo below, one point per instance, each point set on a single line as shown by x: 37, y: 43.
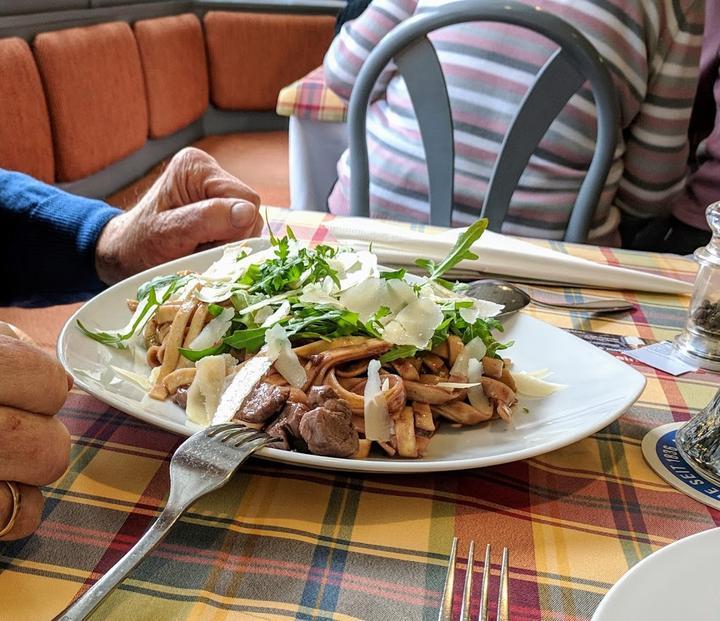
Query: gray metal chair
x: 566, y: 70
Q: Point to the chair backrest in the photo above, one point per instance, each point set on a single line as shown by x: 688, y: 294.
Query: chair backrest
x: 566, y: 70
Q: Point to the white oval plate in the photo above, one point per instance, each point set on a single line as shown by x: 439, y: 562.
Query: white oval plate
x: 678, y: 581
x: 599, y: 388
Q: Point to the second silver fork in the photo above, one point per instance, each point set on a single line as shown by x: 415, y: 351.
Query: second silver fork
x: 201, y: 464
x: 503, y: 612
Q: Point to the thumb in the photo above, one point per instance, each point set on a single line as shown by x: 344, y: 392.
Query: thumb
x: 208, y: 221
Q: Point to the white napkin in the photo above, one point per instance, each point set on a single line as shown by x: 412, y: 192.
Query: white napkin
x: 497, y: 254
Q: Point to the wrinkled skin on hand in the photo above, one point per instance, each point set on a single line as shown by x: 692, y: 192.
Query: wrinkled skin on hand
x: 34, y: 445
x: 193, y: 205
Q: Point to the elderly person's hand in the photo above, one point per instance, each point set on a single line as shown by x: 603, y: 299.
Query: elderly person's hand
x: 193, y: 204
x: 34, y: 445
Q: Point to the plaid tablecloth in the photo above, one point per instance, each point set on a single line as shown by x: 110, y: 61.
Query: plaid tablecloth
x: 309, y: 98
x: 283, y: 542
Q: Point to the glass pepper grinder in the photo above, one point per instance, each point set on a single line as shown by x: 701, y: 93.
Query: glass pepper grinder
x: 700, y: 341
x: 698, y: 441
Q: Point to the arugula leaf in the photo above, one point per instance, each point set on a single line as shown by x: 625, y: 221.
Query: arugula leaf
x: 196, y: 354
x: 396, y: 275
x: 159, y: 282
x: 215, y: 309
x: 250, y: 339
x: 427, y: 264
x: 460, y: 251
x: 401, y: 351
x: 373, y: 325
x: 148, y: 305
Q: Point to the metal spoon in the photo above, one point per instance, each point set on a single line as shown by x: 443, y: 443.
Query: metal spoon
x: 515, y: 299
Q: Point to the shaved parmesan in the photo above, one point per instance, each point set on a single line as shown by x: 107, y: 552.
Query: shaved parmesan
x: 135, y: 378
x: 214, y: 294
x: 315, y: 294
x: 280, y: 314
x: 365, y: 298
x: 203, y: 396
x: 480, y: 309
x: 286, y: 360
x: 476, y: 350
x: 415, y: 324
x: 476, y: 396
x: 399, y: 294
x: 531, y: 385
x: 240, y: 386
x: 378, y: 424
x: 214, y: 330
x: 260, y: 316
x: 457, y: 384
x: 354, y: 267
x: 267, y: 302
x: 229, y: 268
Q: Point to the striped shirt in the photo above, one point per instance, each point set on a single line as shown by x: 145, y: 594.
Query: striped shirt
x: 653, y: 49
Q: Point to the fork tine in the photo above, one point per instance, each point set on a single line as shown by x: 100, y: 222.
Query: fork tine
x: 467, y: 589
x: 224, y: 435
x: 502, y: 607
x: 252, y: 444
x: 258, y: 435
x: 216, y: 429
x: 483, y: 615
x: 446, y: 602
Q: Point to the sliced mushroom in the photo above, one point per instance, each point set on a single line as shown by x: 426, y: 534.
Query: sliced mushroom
x: 495, y: 389
x: 492, y: 367
x: 178, y: 378
x: 321, y: 363
x: 149, y: 333
x: 434, y: 363
x: 455, y: 347
x: 405, y: 433
x: 166, y: 312
x: 406, y: 369
x: 423, y: 416
x: 317, y: 347
x: 353, y: 370
x: 463, y: 413
x: 355, y: 401
x: 441, y: 350
x: 431, y: 394
x: 507, y: 379
x: 395, y: 395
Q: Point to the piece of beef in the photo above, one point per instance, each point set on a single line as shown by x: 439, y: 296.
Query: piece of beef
x: 329, y: 432
x: 292, y: 414
x: 324, y: 396
x: 278, y: 429
x: 264, y: 401
x: 318, y: 395
x: 287, y: 426
x: 180, y: 397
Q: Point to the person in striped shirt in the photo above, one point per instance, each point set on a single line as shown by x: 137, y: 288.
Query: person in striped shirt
x: 653, y: 49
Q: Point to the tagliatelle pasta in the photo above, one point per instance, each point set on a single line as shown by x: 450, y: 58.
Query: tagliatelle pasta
x: 322, y: 349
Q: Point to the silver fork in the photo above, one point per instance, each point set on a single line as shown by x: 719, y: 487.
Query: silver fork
x: 201, y: 464
x: 503, y: 613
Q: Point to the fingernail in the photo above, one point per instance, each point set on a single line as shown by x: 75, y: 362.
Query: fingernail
x: 243, y: 214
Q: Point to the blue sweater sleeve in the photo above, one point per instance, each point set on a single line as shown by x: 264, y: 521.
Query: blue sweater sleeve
x: 47, y: 241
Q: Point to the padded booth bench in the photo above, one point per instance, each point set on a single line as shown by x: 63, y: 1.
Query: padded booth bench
x: 98, y: 108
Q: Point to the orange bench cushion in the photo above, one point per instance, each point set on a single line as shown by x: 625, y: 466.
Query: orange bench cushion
x: 253, y: 55
x: 96, y: 96
x: 260, y: 159
x: 25, y: 139
x: 172, y: 50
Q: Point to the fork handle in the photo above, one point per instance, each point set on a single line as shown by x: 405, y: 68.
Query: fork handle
x: 96, y: 593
